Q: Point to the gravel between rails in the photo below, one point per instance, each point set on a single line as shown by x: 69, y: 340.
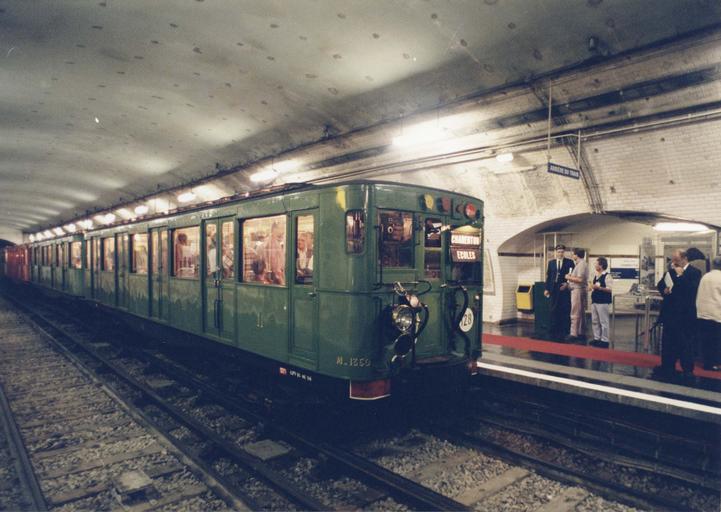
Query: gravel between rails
x: 412, y: 453
x: 77, y: 436
x: 629, y: 477
x: 11, y: 494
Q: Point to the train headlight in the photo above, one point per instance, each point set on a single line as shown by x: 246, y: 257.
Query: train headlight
x: 402, y: 317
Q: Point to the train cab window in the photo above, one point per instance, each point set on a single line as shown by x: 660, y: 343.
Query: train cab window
x: 108, y: 263
x: 355, y: 231
x: 304, y: 237
x: 186, y: 247
x: 264, y: 250
x: 432, y: 245
x: 76, y: 260
x: 139, y: 253
x: 396, y: 239
x: 211, y: 249
x: 465, y: 253
x: 228, y: 247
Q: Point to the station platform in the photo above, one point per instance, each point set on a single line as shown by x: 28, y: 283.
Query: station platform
x: 615, y: 375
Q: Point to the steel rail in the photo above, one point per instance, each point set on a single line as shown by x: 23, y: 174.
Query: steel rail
x: 368, y: 471
x: 276, y: 480
x: 26, y: 472
x: 605, y: 488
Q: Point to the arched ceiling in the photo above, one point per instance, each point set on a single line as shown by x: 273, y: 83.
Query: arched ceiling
x: 107, y: 100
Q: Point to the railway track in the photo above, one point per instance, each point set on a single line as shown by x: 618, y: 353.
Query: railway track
x: 84, y: 449
x: 232, y: 441
x: 568, y: 488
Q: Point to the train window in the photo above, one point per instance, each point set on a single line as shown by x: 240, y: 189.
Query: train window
x: 211, y: 249
x: 432, y: 244
x: 186, y: 246
x: 355, y: 231
x: 396, y: 239
x: 264, y: 250
x: 108, y: 262
x: 139, y: 253
x: 304, y: 237
x: 228, y: 255
x: 465, y: 253
x: 76, y: 260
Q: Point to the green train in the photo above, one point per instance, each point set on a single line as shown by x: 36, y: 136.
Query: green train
x: 356, y: 289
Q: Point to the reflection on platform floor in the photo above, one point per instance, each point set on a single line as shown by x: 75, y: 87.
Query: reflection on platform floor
x: 625, y: 358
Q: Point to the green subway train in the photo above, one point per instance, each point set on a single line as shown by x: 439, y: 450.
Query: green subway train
x: 357, y: 290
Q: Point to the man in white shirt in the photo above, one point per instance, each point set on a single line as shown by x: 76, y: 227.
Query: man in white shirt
x: 578, y: 282
x: 708, y: 310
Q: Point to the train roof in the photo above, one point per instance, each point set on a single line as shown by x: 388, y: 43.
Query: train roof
x: 249, y: 196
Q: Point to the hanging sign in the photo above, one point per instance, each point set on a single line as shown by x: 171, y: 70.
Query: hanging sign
x: 568, y: 172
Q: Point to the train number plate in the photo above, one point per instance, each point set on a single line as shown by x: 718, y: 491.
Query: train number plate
x: 467, y: 320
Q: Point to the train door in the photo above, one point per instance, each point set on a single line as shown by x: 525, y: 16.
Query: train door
x: 430, y: 252
x: 303, y: 291
x: 63, y: 265
x: 219, y: 282
x: 122, y: 272
x: 97, y: 257
x: 159, y: 273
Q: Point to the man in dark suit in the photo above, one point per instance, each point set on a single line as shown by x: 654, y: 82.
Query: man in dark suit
x: 559, y: 294
x: 678, y: 315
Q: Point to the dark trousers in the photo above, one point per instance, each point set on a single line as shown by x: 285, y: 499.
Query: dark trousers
x: 677, y: 343
x: 709, y: 333
x: 560, y: 314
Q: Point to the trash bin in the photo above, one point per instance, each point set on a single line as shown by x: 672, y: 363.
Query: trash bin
x: 542, y: 312
x: 524, y: 298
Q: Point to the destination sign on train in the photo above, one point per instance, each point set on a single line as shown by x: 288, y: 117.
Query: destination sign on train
x: 458, y: 239
x: 465, y: 254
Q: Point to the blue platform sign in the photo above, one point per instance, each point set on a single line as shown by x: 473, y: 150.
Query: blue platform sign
x: 564, y: 171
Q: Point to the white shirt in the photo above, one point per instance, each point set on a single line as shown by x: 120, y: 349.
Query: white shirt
x: 708, y: 299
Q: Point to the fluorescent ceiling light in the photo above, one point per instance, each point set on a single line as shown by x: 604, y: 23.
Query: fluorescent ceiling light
x: 39, y: 236
x: 286, y: 166
x: 86, y: 224
x: 421, y: 134
x: 186, y: 197
x: 59, y: 231
x: 48, y: 233
x: 125, y: 213
x: 264, y: 175
x: 504, y: 157
x: 70, y: 228
x: 32, y: 238
x: 141, y: 209
x: 109, y: 218
x: 690, y: 227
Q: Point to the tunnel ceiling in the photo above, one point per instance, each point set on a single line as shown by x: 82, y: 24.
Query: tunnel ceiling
x: 104, y: 101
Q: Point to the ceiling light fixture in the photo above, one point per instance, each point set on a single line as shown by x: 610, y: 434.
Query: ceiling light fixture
x: 86, y: 224
x: 109, y: 218
x: 504, y: 157
x: 70, y: 228
x: 141, y: 209
x: 32, y: 238
x: 264, y: 175
x: 47, y: 233
x: 59, y: 231
x: 422, y: 134
x: 688, y: 227
x: 186, y: 197
x: 39, y: 237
